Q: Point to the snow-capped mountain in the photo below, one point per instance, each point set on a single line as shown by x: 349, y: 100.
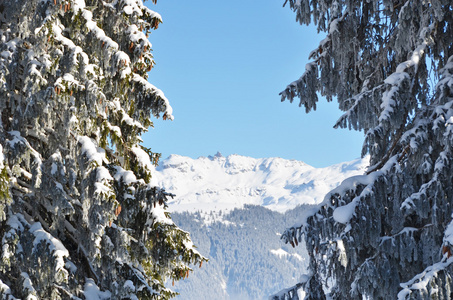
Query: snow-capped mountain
x: 218, y: 183
x: 224, y: 203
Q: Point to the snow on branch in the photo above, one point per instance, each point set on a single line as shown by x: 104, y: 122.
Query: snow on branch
x: 389, y: 65
x: 424, y: 284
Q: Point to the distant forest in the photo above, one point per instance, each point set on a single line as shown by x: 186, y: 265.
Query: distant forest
x: 239, y: 246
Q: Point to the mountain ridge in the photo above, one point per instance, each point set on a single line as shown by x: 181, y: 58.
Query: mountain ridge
x: 217, y: 183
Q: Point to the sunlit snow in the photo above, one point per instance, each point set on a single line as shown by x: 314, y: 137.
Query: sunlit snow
x: 218, y: 183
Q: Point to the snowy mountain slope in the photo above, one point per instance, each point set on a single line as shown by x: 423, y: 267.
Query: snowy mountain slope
x: 218, y: 183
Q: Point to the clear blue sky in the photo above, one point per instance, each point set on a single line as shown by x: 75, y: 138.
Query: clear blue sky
x: 222, y: 65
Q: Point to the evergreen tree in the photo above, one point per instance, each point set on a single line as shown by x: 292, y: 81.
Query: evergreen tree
x: 389, y: 233
x: 78, y: 216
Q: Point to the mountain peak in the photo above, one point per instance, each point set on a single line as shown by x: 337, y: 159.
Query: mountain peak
x: 216, y: 183
x: 216, y: 156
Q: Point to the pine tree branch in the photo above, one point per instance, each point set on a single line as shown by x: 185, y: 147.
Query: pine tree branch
x: 81, y: 250
x: 389, y: 153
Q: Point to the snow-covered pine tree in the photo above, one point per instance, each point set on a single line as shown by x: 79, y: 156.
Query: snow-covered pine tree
x: 389, y: 233
x: 78, y: 216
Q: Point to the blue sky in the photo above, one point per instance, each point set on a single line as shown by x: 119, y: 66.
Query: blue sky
x: 222, y: 65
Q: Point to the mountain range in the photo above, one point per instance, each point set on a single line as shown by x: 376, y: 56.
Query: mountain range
x: 217, y: 183
x: 236, y: 209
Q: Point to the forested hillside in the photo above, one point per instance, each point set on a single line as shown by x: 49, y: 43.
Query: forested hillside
x: 247, y: 259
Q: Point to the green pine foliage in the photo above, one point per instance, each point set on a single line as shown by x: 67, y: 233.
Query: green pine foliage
x: 79, y: 217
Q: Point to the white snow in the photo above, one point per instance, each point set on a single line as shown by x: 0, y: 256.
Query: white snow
x: 92, y: 152
x: 127, y: 176
x: 17, y: 138
x: 5, y: 54
x: 100, y: 34
x: 333, y: 26
x: 56, y: 157
x: 344, y: 213
x: 448, y: 234
x: 55, y: 246
x: 2, y: 158
x: 223, y: 183
x: 28, y: 285
x: 159, y: 216
x: 102, y: 185
x: 282, y: 253
x: 142, y: 157
x: 420, y: 281
x: 57, y: 30
x: 15, y: 223
x: 159, y: 93
x: 129, y: 285
x: 78, y: 5
x: 414, y: 60
x: 116, y: 106
x: 128, y: 10
x: 279, y: 252
x: 342, y: 257
x: 122, y: 59
x: 129, y: 121
x: 6, y: 291
x: 395, y: 79
x: 92, y: 292
x: 103, y: 174
x: 71, y: 266
x: 130, y: 6
x: 136, y: 35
